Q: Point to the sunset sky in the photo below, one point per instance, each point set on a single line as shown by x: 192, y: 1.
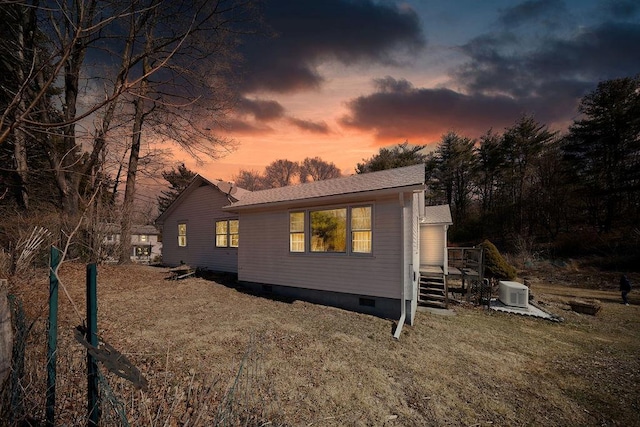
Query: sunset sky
x: 343, y: 78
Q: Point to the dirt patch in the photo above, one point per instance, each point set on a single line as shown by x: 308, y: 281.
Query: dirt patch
x: 306, y: 364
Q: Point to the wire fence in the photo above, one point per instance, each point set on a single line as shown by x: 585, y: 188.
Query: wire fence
x: 236, y: 398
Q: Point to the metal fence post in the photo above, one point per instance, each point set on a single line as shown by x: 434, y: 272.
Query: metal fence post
x: 93, y: 404
x: 52, y: 342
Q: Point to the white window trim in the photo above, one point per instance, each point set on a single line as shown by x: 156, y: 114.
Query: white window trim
x: 307, y: 230
x: 186, y: 230
x: 228, y: 233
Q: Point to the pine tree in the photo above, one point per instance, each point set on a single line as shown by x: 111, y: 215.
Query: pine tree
x: 178, y: 179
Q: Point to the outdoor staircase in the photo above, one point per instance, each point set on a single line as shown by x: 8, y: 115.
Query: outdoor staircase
x: 433, y: 291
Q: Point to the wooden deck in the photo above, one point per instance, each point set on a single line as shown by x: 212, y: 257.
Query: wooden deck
x: 465, y: 265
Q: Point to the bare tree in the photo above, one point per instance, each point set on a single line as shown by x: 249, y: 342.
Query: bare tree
x: 187, y: 37
x: 181, y: 90
x: 249, y: 180
x: 316, y: 169
x: 281, y: 173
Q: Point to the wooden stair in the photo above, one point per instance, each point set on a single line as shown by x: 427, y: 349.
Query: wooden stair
x: 433, y: 291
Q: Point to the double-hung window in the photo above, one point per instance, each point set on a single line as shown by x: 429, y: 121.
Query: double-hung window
x: 296, y: 231
x: 227, y: 233
x: 361, y: 229
x: 182, y: 234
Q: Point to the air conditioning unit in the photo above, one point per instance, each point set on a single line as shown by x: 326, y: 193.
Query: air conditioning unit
x: 514, y: 294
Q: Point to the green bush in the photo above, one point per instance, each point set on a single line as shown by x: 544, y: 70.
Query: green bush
x: 494, y: 263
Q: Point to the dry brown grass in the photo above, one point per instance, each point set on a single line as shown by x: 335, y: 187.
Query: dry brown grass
x: 316, y: 365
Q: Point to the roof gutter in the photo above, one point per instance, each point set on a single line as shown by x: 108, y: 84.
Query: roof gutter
x: 321, y: 199
x: 403, y: 305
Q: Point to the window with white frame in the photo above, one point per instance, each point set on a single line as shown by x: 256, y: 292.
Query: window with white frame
x: 296, y: 231
x: 361, y: 229
x: 182, y: 234
x: 227, y: 233
x: 337, y: 230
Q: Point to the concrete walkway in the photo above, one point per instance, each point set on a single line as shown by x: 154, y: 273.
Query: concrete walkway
x: 531, y: 310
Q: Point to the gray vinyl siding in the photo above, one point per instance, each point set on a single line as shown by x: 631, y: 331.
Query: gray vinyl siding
x: 264, y: 255
x: 199, y: 211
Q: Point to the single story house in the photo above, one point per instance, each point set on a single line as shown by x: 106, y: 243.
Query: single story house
x: 354, y: 242
x: 146, y: 244
x: 195, y: 229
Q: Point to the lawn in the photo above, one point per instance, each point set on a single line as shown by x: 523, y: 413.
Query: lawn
x: 213, y: 353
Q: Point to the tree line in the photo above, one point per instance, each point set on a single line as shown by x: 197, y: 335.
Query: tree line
x: 530, y: 186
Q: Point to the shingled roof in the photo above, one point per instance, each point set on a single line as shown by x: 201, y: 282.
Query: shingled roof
x: 232, y: 192
x: 409, y: 176
x: 440, y: 214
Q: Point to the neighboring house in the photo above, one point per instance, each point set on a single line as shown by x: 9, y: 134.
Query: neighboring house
x: 357, y: 242
x: 146, y: 245
x: 195, y: 229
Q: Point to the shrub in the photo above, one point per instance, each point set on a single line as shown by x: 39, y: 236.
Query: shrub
x: 494, y: 263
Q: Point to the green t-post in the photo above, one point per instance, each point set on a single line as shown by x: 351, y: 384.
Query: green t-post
x: 52, y: 342
x: 92, y: 337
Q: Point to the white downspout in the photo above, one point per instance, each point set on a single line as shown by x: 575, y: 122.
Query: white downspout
x: 403, y: 305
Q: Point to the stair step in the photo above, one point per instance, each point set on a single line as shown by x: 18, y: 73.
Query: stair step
x: 430, y: 297
x: 432, y: 286
x: 432, y: 304
x: 432, y: 291
x: 422, y: 282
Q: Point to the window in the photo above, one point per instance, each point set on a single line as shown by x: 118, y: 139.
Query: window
x: 329, y: 230
x: 296, y: 232
x: 227, y: 233
x: 182, y: 234
x: 144, y: 238
x: 234, y: 233
x: 361, y: 229
x: 142, y: 251
x: 339, y: 230
x: 221, y: 234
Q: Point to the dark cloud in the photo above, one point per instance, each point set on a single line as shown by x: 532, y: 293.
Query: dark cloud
x: 412, y: 113
x: 550, y: 13
x: 243, y: 127
x: 310, y: 32
x: 621, y: 9
x: 509, y: 72
x: 310, y: 126
x: 262, y: 110
x: 602, y: 52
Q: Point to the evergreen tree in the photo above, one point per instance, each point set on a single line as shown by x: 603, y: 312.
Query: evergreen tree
x: 395, y: 157
x: 522, y: 144
x: 451, y: 167
x: 178, y: 179
x: 603, y: 149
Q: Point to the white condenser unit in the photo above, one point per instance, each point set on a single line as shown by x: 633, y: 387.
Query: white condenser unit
x: 514, y: 294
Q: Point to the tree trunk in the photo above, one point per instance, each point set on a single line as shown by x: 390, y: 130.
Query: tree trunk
x: 134, y: 156
x: 20, y: 137
x: 6, y: 336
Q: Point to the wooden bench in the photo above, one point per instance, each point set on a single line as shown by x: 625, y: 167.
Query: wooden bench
x: 181, y: 272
